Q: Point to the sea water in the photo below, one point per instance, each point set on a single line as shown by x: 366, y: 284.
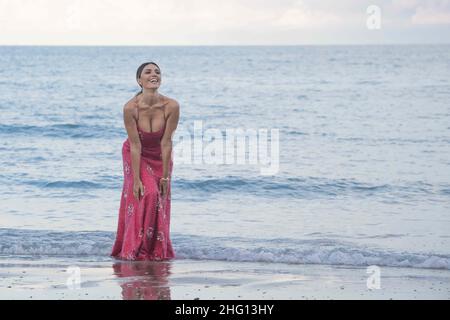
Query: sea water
x: 364, y: 152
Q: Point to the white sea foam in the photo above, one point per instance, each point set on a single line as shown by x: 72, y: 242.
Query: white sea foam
x: 15, y: 242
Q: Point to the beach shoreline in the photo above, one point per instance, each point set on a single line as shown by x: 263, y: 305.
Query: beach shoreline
x: 55, y: 278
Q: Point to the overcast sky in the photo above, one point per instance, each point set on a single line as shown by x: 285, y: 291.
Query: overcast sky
x: 223, y: 22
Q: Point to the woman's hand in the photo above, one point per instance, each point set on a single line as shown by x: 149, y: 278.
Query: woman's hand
x: 163, y: 186
x: 138, y: 189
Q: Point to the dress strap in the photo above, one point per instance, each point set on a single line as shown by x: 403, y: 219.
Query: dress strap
x: 137, y: 109
x: 164, y: 111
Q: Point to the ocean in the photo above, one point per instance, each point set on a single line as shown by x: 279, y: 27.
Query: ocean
x: 364, y: 152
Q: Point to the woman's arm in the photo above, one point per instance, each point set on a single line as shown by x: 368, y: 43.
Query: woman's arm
x: 133, y: 137
x: 166, y: 141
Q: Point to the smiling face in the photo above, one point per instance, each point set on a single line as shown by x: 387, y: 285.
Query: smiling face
x: 150, y: 77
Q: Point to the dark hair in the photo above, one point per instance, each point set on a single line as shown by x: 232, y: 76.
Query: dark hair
x: 139, y: 71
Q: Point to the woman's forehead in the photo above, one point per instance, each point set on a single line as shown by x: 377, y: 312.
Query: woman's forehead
x: 150, y: 67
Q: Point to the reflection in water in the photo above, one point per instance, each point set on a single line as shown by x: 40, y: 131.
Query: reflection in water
x: 145, y: 280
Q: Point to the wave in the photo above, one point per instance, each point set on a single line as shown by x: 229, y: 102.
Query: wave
x: 70, y: 184
x: 307, y: 187
x: 17, y: 242
x: 63, y: 130
x: 269, y: 187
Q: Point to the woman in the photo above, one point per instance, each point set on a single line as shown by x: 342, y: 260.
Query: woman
x: 144, y: 216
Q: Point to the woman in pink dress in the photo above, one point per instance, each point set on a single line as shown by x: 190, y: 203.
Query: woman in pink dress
x: 144, y: 215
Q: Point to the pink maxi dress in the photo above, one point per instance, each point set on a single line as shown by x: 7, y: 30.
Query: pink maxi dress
x: 143, y: 226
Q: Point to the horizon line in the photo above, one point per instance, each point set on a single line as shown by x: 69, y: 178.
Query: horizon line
x: 225, y: 45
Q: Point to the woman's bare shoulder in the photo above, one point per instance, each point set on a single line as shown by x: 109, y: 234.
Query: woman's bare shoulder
x: 131, y: 103
x: 172, y: 104
x: 130, y: 106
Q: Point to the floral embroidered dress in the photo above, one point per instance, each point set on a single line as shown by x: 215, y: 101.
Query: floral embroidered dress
x: 143, y: 226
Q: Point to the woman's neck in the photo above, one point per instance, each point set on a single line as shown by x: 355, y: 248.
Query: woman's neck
x: 150, y: 97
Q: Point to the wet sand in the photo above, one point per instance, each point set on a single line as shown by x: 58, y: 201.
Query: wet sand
x: 57, y: 278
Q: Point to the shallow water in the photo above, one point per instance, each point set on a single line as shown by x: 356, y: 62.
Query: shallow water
x: 364, y: 151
